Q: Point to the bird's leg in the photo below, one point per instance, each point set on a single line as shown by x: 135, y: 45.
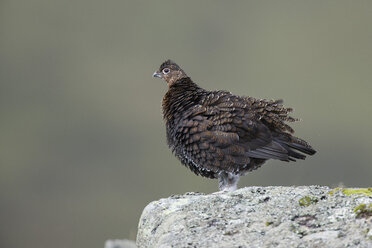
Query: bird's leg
x: 227, y: 181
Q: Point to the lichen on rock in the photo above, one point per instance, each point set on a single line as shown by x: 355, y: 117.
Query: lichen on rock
x: 258, y: 217
x: 307, y: 200
x: 363, y: 210
x: 350, y: 191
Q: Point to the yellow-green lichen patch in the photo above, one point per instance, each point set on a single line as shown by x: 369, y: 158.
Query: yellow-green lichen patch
x: 307, y: 200
x: 268, y: 223
x: 363, y: 210
x: 351, y: 191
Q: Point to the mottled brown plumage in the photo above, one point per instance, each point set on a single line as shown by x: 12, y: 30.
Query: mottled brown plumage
x: 220, y: 135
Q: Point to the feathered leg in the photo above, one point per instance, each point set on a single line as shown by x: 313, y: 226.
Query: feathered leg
x: 227, y: 181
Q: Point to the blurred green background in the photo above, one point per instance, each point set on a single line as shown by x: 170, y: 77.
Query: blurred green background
x: 82, y: 147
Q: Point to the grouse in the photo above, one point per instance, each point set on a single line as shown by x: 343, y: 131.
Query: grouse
x: 220, y: 135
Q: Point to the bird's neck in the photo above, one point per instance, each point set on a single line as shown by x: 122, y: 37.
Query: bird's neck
x: 181, y: 95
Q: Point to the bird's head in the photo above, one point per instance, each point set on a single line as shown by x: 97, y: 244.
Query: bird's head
x: 170, y: 72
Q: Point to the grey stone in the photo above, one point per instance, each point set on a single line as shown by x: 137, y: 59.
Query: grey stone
x: 256, y: 217
x: 120, y: 243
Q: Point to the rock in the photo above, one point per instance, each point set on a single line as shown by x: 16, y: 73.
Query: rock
x: 306, y: 216
x: 120, y: 243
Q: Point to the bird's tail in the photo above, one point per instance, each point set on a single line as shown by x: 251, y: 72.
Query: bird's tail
x: 295, y: 145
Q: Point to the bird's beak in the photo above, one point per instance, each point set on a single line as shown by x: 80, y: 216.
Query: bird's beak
x: 157, y: 74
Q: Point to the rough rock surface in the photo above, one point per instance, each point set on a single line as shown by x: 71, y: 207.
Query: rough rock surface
x: 306, y: 216
x: 120, y: 243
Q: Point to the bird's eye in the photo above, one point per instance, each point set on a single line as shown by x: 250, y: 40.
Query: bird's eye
x: 166, y: 70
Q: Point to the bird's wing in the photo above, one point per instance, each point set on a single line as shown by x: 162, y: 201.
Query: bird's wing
x: 224, y: 133
x: 254, y: 136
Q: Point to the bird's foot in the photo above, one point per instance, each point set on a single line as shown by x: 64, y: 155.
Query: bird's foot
x: 227, y: 181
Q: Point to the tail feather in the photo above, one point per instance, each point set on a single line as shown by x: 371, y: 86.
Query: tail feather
x: 284, y: 147
x: 295, y: 145
x: 305, y: 149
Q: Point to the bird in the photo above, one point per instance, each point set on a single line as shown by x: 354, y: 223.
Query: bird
x: 219, y: 135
